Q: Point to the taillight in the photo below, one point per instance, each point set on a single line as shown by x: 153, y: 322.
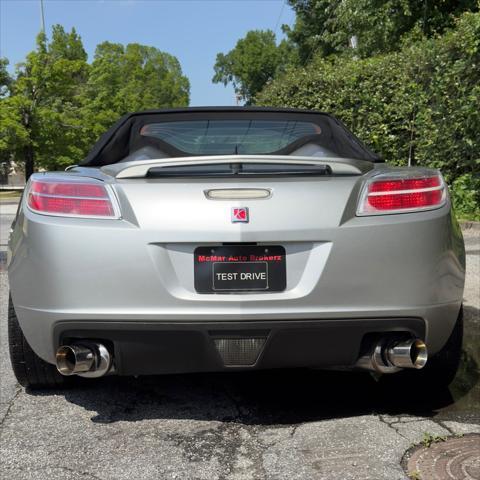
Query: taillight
x: 402, y: 192
x: 72, y: 197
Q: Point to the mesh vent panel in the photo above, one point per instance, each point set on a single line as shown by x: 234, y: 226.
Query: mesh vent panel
x: 239, y: 351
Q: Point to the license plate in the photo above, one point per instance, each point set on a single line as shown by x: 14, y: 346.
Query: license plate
x: 240, y: 268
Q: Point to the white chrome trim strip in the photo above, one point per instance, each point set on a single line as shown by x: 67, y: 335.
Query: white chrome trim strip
x: 398, y: 192
x: 69, y: 196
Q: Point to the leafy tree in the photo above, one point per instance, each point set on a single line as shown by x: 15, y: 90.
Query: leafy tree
x: 124, y: 79
x: 58, y: 104
x: 5, y: 78
x: 327, y: 26
x: 313, y: 17
x: 12, y: 133
x: 252, y: 63
x: 44, y: 96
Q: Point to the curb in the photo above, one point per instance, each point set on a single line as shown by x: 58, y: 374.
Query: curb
x: 467, y: 225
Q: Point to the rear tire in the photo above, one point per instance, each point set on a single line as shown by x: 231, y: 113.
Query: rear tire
x: 441, y: 368
x: 29, y: 369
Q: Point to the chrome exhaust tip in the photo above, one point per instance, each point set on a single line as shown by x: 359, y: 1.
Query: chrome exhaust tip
x: 408, y: 354
x: 87, y: 359
x: 390, y: 357
x: 72, y: 359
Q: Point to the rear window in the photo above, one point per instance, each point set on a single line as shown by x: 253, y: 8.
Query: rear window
x: 225, y: 137
x: 203, y: 131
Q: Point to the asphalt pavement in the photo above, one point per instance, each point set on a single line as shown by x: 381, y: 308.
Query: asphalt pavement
x: 272, y: 425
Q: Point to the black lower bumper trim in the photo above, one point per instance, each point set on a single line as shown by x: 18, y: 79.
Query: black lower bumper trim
x: 149, y: 348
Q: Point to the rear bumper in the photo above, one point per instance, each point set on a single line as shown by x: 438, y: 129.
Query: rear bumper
x: 151, y: 348
x: 154, y: 343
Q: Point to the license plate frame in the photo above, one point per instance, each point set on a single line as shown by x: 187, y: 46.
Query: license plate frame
x: 240, y: 269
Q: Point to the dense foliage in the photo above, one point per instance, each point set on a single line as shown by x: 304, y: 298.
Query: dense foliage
x: 379, y: 26
x: 254, y: 61
x: 132, y: 78
x: 421, y: 101
x: 57, y: 104
x: 332, y: 27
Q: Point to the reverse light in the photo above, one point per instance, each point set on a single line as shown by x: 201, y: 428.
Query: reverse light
x: 72, y: 197
x: 402, y: 192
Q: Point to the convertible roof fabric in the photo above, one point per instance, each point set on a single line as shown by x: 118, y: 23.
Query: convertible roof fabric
x: 124, y: 137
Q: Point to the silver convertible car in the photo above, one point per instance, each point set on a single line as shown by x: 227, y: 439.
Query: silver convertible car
x: 227, y: 239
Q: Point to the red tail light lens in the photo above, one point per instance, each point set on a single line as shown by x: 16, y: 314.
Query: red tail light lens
x: 401, y: 193
x: 67, y: 197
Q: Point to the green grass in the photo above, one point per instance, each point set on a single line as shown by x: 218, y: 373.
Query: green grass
x: 10, y: 194
x: 415, y: 475
x: 429, y: 439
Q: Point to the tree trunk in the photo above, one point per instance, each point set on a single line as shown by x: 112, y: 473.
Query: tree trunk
x: 29, y: 157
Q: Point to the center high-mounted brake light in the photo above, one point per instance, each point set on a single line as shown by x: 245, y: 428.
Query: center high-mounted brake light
x: 72, y: 197
x: 402, y: 193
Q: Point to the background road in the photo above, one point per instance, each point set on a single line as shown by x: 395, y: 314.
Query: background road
x: 276, y: 425
x: 7, y: 214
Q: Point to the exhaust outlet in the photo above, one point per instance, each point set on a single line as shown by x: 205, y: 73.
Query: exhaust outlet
x: 390, y: 357
x: 409, y: 354
x: 91, y: 360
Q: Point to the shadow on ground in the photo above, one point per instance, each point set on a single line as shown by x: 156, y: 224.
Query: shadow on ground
x: 280, y: 396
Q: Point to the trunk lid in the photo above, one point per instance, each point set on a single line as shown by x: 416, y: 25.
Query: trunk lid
x: 280, y: 208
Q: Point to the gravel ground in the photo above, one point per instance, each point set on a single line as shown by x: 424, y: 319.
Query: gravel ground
x: 280, y: 425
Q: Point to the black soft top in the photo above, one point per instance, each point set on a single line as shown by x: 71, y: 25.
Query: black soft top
x: 124, y: 137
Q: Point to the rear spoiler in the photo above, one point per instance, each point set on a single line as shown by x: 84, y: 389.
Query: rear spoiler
x: 140, y: 168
